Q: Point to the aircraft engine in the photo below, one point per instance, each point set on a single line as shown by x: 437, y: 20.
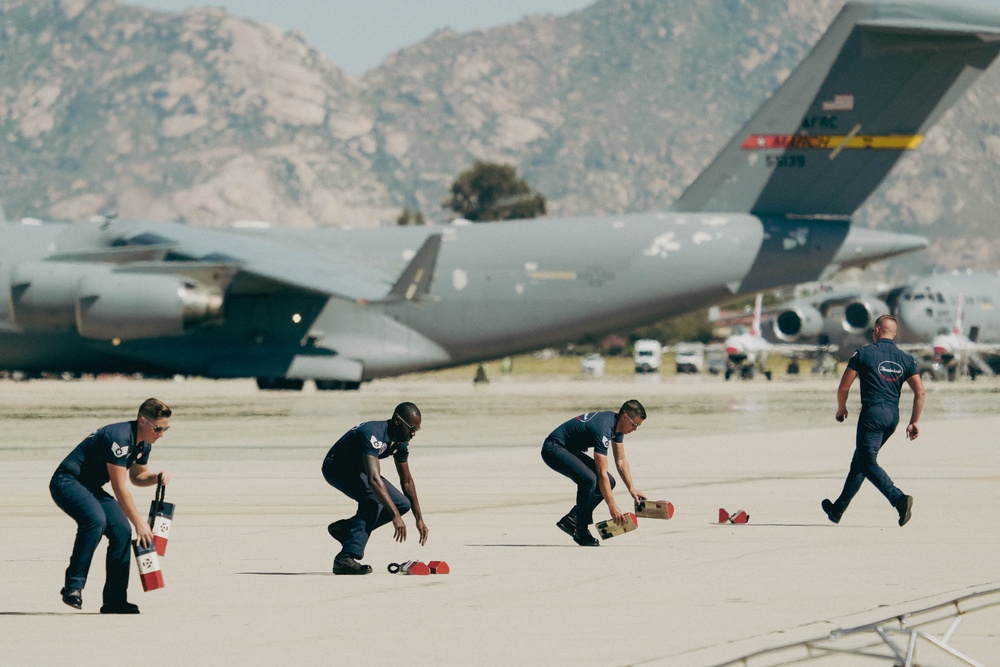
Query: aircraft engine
x: 126, y: 306
x: 860, y: 315
x: 43, y: 294
x: 792, y: 324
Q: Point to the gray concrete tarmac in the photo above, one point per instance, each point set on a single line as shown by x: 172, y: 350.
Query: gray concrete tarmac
x: 248, y: 568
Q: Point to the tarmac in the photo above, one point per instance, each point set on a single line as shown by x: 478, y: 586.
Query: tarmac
x: 248, y: 566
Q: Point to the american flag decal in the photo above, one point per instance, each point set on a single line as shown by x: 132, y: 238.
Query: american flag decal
x: 839, y: 103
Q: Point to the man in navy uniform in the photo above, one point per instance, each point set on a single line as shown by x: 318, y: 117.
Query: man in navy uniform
x: 883, y: 368
x: 564, y: 450
x: 352, y: 466
x: 77, y: 487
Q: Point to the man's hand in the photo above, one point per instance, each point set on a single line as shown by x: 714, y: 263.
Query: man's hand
x: 163, y: 478
x: 144, y: 535
x: 399, y: 529
x: 912, y: 431
x: 841, y: 414
x: 639, y: 496
x: 616, y: 515
x: 422, y: 529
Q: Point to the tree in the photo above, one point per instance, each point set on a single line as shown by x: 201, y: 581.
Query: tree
x: 410, y: 217
x: 490, y: 191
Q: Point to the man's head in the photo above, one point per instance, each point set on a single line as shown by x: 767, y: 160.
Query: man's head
x: 405, y: 421
x: 885, y: 327
x: 153, y: 421
x: 630, y: 416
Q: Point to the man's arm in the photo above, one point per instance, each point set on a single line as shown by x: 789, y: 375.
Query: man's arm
x: 917, y: 385
x: 141, y: 476
x: 843, y: 390
x: 375, y: 480
x: 601, y: 465
x: 410, y: 489
x: 623, y: 469
x: 119, y: 485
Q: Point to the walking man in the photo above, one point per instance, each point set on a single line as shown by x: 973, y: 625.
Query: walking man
x: 352, y: 466
x: 564, y: 450
x: 77, y: 488
x: 883, y: 368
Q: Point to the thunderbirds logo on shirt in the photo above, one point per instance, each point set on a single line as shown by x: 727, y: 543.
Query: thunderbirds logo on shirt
x: 586, y: 417
x: 379, y: 446
x: 890, y: 370
x: 118, y: 450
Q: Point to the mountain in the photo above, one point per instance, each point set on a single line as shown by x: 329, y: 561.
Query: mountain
x: 208, y: 118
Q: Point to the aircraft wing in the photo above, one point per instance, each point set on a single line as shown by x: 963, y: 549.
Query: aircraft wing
x: 264, y: 255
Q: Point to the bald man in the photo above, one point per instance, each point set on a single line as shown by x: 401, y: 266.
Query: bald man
x: 883, y: 368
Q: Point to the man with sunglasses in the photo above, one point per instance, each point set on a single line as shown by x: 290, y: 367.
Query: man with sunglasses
x: 352, y: 467
x: 77, y: 488
x: 565, y: 452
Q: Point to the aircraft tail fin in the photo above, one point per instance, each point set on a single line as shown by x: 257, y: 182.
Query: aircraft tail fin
x: 878, y: 79
x: 415, y: 281
x: 757, y: 308
x: 957, y: 327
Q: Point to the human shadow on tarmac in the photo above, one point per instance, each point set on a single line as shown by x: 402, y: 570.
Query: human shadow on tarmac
x: 49, y: 613
x: 288, y: 574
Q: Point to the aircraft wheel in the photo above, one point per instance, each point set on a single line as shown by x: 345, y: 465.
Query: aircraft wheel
x: 337, y: 385
x: 279, y: 384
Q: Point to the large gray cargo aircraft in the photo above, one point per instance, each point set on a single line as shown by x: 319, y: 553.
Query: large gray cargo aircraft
x: 345, y: 306
x: 937, y: 313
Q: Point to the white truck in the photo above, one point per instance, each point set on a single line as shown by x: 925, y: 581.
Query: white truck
x: 689, y: 357
x: 647, y: 355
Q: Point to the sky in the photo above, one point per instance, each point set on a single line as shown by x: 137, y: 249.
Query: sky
x: 357, y: 35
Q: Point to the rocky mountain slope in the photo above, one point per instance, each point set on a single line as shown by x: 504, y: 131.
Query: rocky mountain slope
x: 208, y: 118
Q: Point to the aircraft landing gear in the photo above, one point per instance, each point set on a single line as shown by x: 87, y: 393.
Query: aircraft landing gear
x: 337, y: 385
x: 279, y: 384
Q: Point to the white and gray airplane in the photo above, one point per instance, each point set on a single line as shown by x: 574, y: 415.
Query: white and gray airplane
x: 962, y: 353
x: 748, y: 350
x: 345, y: 306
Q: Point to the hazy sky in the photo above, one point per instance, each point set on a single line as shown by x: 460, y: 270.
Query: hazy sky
x: 358, y: 34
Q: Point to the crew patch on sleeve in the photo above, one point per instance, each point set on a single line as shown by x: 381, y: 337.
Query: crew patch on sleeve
x: 378, y: 445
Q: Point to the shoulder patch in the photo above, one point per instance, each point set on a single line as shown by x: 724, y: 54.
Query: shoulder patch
x: 118, y: 450
x: 378, y: 445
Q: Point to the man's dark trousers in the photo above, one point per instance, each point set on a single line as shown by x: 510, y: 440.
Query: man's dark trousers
x: 876, y: 424
x: 581, y: 469
x: 97, y: 514
x: 370, y: 514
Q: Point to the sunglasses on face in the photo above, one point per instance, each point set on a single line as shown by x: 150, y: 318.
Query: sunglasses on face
x: 156, y: 429
x: 407, y: 425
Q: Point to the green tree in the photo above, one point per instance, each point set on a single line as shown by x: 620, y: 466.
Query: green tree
x: 410, y: 217
x: 490, y: 191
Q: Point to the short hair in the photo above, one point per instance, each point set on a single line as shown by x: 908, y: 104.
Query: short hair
x: 407, y: 411
x: 633, y: 408
x: 153, y: 408
x: 883, y: 318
